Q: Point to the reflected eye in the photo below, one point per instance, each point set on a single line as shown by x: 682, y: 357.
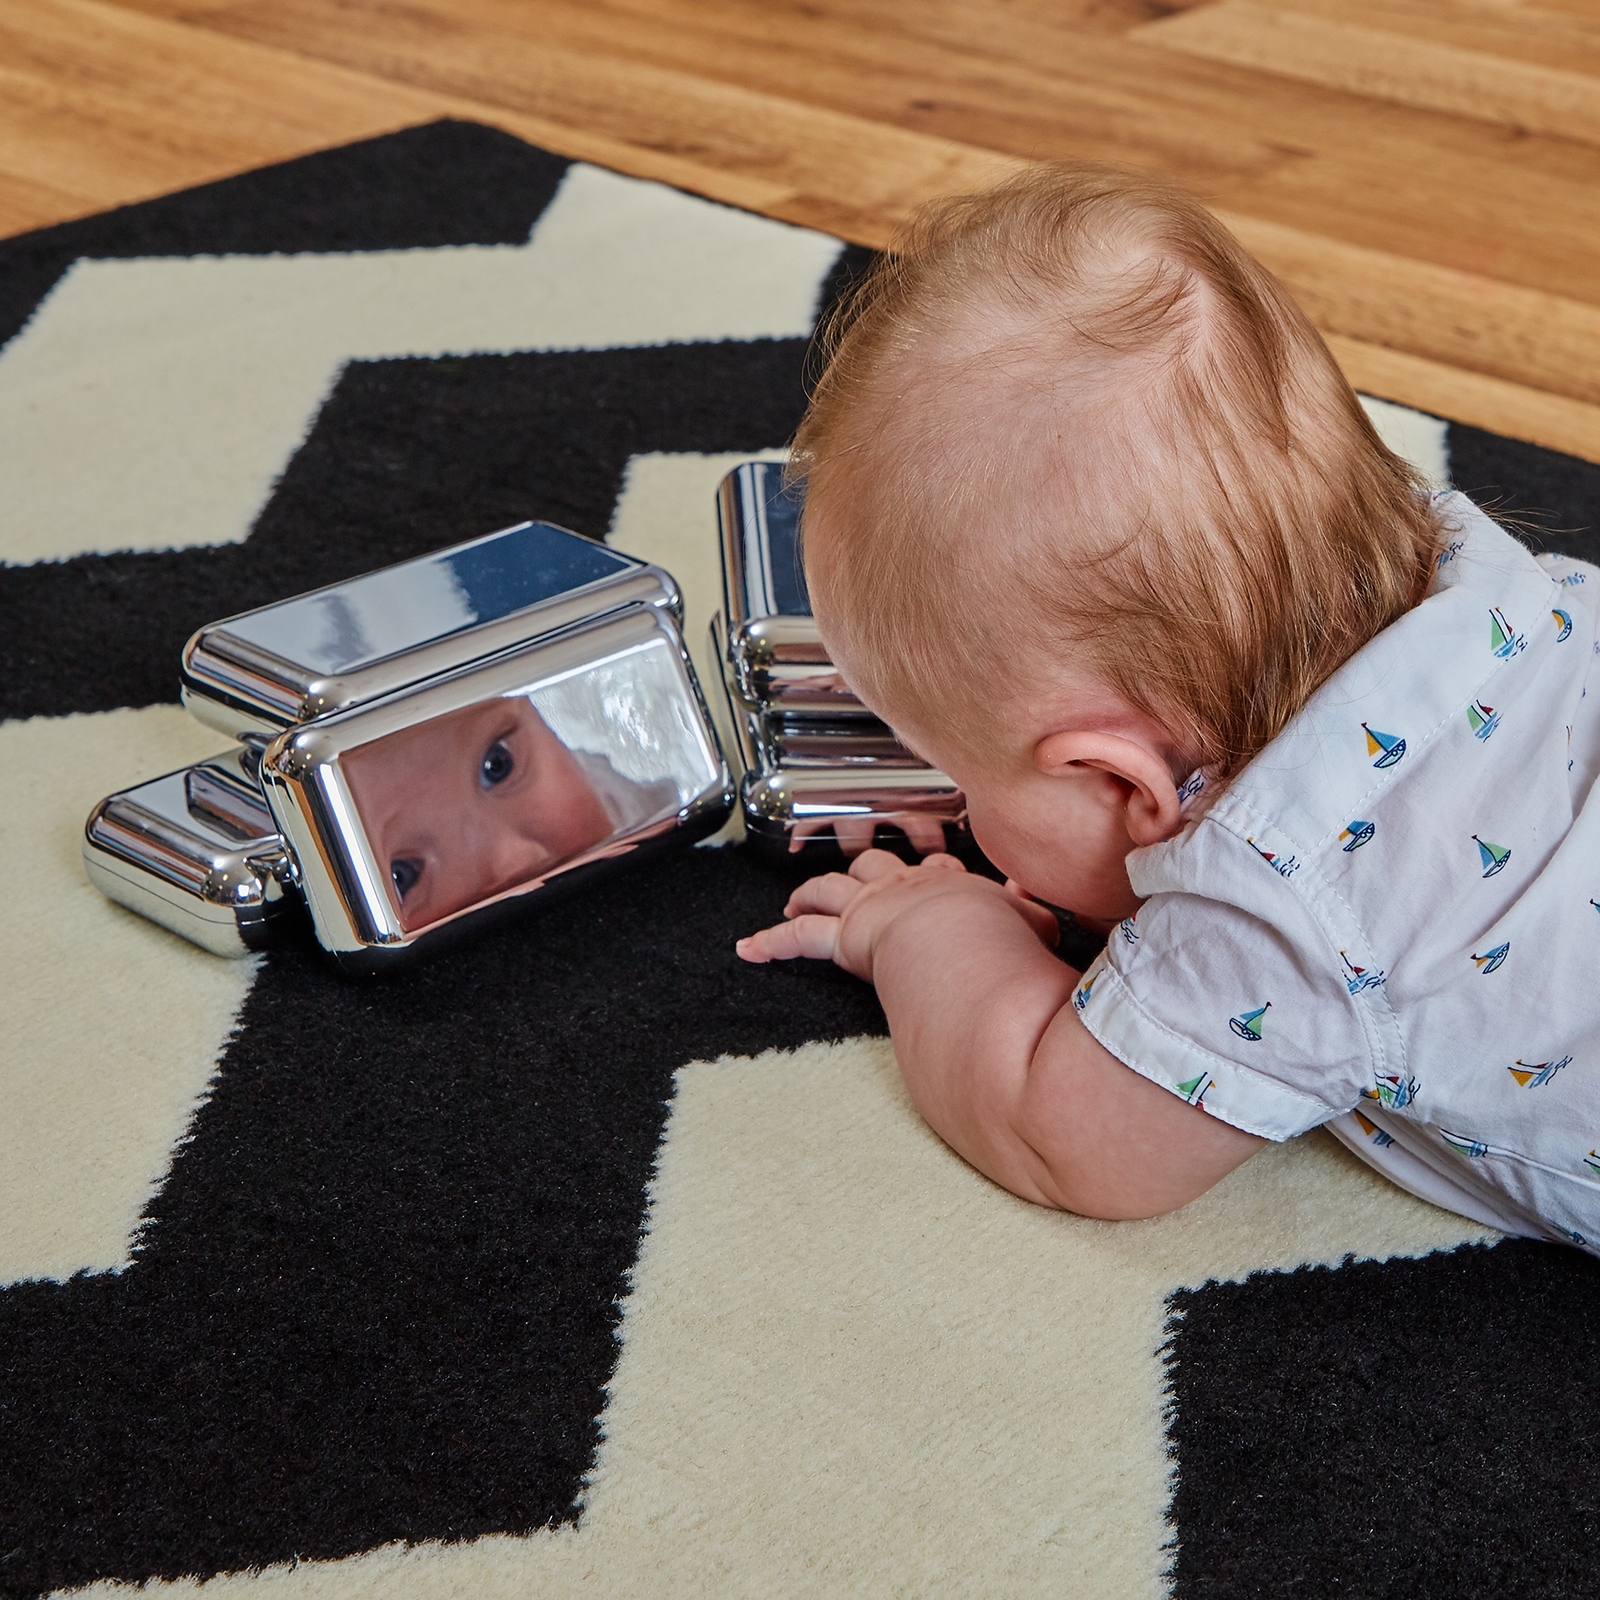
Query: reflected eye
x: 498, y: 764
x: 405, y: 870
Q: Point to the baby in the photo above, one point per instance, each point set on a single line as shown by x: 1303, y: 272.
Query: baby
x: 1096, y: 524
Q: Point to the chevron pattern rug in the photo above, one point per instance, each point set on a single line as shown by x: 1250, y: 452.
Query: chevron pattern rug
x: 588, y: 1261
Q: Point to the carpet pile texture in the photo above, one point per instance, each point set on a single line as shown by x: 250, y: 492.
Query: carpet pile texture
x: 588, y: 1260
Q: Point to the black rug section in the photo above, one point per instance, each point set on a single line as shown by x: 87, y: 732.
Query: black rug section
x: 1399, y: 1428
x: 1555, y: 498
x: 445, y: 183
x: 406, y: 456
x: 377, y: 1297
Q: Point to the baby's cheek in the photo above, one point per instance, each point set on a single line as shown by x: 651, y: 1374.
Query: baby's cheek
x: 1008, y: 847
x: 1066, y: 860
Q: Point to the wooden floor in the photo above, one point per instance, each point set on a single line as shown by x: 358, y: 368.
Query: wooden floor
x: 1424, y: 174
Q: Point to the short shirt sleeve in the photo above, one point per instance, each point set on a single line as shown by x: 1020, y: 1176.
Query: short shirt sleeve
x: 1230, y: 991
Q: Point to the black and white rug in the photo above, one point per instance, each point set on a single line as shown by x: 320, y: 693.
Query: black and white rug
x: 588, y: 1260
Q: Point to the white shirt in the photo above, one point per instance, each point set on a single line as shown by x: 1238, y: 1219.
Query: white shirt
x: 1389, y: 921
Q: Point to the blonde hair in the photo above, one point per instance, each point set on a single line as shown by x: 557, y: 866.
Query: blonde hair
x: 1196, y: 506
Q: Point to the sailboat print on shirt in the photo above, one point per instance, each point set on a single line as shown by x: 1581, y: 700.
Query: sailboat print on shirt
x: 1283, y: 865
x: 1388, y: 747
x: 1358, y: 978
x: 1359, y: 832
x: 1248, y: 1023
x: 1392, y: 1090
x: 1563, y: 624
x: 1482, y: 719
x: 1493, y: 960
x: 1494, y: 856
x: 1194, y: 1089
x: 1537, y: 1074
x: 1504, y: 640
x: 1464, y: 1143
x: 1592, y: 1162
x: 1372, y: 1131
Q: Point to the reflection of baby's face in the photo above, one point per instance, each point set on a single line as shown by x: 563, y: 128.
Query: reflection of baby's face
x: 466, y: 805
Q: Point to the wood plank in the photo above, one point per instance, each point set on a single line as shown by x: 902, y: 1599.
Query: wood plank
x: 1502, y: 28
x: 1517, y: 342
x: 1010, y: 17
x: 847, y: 174
x: 1453, y: 191
x: 25, y: 205
x: 1583, y: 10
x: 82, y: 127
x: 1508, y: 408
x: 1388, y: 66
x: 170, y: 10
x: 1522, y: 336
x: 71, y: 107
x: 1444, y: 189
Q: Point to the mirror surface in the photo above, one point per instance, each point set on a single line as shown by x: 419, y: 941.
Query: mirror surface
x: 778, y: 530
x: 222, y: 795
x: 499, y: 794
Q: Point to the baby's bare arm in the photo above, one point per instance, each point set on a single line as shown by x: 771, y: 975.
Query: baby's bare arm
x: 993, y: 1051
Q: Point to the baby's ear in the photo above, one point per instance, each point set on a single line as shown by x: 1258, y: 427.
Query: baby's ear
x: 1149, y: 795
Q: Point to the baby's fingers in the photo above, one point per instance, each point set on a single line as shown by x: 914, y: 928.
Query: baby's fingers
x: 829, y: 894
x: 876, y: 864
x: 815, y: 937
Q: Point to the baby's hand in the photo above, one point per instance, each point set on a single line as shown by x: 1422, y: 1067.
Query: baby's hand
x: 841, y: 916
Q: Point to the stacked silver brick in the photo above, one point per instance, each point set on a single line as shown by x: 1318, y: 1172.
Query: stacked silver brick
x: 814, y: 757
x: 232, y: 851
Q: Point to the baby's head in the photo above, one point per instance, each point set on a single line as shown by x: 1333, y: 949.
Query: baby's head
x: 1089, y: 505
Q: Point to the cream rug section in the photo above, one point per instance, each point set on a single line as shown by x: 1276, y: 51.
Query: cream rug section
x: 666, y: 513
x: 110, y: 1027
x: 851, y: 1365
x: 1422, y: 440
x: 151, y: 404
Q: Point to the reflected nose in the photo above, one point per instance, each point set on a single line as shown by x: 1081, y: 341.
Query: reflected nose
x: 498, y: 856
